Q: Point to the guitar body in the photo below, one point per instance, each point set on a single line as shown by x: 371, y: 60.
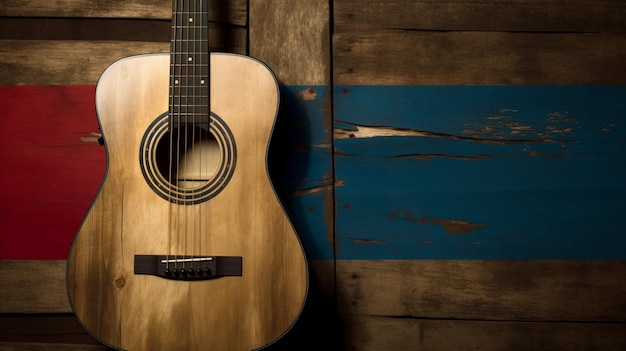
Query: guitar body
x: 243, y: 218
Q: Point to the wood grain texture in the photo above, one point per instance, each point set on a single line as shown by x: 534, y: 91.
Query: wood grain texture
x: 480, y: 172
x: 374, y: 333
x: 43, y: 292
x: 396, y: 57
x: 292, y: 40
x: 40, y: 328
x: 495, y: 290
x: 496, y: 15
x: 70, y: 62
x: 232, y: 11
x: 136, y: 312
x: 30, y: 346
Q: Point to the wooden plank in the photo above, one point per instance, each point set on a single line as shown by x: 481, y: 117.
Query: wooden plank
x: 28, y: 346
x: 57, y: 328
x: 495, y: 15
x: 232, y: 11
x: 36, y: 286
x: 495, y: 290
x: 73, y: 62
x: 365, y: 333
x: 480, y: 172
x: 49, y: 141
x: 478, y: 58
x: 293, y: 40
x: 94, y: 29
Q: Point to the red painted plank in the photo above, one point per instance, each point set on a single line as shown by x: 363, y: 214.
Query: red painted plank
x: 51, y: 168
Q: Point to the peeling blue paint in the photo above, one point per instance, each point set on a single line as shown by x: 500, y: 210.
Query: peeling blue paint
x: 495, y: 172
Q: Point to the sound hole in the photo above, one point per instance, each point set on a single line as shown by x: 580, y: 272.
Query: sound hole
x: 191, y: 163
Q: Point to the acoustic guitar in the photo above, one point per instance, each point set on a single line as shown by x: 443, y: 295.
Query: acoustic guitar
x: 186, y: 245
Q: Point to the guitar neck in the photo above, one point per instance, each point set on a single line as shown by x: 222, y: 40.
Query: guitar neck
x: 190, y: 62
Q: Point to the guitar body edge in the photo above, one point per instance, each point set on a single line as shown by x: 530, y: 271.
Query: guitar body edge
x: 243, y: 219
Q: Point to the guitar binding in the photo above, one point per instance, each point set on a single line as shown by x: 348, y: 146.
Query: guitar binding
x: 189, y: 268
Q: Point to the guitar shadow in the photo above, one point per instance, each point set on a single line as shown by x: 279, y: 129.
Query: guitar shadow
x: 296, y: 165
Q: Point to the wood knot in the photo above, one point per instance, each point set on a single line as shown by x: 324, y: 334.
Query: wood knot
x: 120, y: 282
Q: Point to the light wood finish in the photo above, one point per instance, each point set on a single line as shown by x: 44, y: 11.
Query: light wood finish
x: 136, y: 312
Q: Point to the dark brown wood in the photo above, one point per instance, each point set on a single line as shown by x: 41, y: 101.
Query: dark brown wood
x: 374, y: 333
x: 232, y: 11
x: 30, y: 346
x: 47, y: 62
x: 33, y: 286
x: 484, y: 290
x: 495, y: 15
x: 55, y: 328
x: 396, y: 57
x: 121, y: 29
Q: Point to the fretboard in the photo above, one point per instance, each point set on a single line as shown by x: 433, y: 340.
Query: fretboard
x: 189, y: 62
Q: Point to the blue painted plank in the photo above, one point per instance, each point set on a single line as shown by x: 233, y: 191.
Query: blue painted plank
x: 481, y: 172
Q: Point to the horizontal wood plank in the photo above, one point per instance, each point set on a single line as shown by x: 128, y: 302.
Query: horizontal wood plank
x: 373, y: 333
x: 480, y: 172
x: 233, y: 11
x: 398, y: 57
x: 29, y: 346
x: 495, y: 15
x: 555, y: 291
x: 51, y: 62
x: 53, y: 328
x: 34, y: 286
x: 94, y: 29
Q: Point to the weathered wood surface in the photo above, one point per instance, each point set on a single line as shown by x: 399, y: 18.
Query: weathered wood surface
x: 396, y: 57
x: 421, y: 174
x: 44, y: 294
x: 39, y: 328
x: 494, y: 290
x: 480, y: 172
x: 293, y: 40
x: 495, y: 15
x: 29, y: 346
x: 373, y: 333
x: 61, y: 62
x: 232, y: 11
x: 102, y: 40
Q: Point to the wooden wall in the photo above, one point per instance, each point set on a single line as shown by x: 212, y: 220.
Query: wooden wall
x: 479, y: 174
x: 454, y: 169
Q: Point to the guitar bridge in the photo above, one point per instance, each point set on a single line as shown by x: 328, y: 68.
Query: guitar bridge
x: 188, y: 267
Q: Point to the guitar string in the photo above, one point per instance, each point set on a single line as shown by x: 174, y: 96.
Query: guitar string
x: 200, y: 27
x: 172, y: 116
x: 189, y: 106
x: 182, y: 97
x: 187, y: 66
